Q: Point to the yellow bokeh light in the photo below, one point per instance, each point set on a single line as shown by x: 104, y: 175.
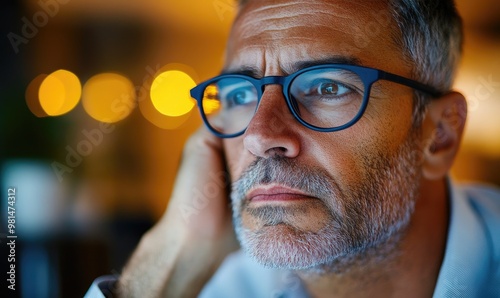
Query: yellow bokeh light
x: 170, y: 93
x: 51, y: 95
x: 73, y: 89
x: 211, y: 104
x: 59, y: 92
x: 32, y: 97
x: 158, y: 119
x: 108, y: 97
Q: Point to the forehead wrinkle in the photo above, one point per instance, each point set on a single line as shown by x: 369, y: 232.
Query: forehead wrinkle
x: 297, y: 17
x: 273, y: 31
x: 274, y: 6
x: 279, y: 39
x: 339, y: 9
x: 311, y: 6
x: 276, y: 24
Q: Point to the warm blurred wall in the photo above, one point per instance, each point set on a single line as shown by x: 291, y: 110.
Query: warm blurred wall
x: 479, y: 79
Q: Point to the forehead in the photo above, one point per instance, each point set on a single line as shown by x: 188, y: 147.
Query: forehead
x: 271, y: 35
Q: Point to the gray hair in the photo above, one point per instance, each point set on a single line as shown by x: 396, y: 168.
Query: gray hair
x: 430, y: 35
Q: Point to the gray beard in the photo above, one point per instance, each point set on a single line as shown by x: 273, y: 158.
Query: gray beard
x: 365, y: 222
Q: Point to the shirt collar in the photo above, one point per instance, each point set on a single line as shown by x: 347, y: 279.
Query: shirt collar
x: 466, y: 255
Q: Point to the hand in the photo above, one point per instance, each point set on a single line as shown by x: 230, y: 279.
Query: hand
x: 181, y: 252
x: 200, y: 198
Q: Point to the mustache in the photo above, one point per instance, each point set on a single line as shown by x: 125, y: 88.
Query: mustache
x: 313, y: 181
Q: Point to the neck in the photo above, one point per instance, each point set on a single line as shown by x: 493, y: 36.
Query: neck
x: 408, y: 268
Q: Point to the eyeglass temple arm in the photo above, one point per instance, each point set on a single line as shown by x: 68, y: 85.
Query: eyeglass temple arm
x: 410, y: 83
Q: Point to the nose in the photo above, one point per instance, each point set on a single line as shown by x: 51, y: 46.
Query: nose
x: 273, y: 130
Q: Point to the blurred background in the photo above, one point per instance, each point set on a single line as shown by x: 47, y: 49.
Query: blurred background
x: 93, y: 120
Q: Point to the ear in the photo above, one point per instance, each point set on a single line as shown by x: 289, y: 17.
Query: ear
x: 442, y: 132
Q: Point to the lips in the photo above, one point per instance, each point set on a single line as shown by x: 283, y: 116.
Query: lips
x: 274, y: 193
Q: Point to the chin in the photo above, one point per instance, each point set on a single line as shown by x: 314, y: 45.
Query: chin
x: 285, y: 247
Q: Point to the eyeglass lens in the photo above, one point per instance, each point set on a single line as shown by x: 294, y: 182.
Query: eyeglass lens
x: 325, y: 97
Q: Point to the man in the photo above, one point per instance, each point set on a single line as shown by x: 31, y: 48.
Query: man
x: 337, y: 126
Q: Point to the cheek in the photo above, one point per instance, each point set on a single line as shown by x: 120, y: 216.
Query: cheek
x: 387, y: 123
x: 339, y: 156
x: 350, y: 155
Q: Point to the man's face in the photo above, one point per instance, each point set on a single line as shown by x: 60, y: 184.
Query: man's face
x: 303, y: 198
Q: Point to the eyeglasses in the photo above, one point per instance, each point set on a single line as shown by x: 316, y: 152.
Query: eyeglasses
x: 325, y: 98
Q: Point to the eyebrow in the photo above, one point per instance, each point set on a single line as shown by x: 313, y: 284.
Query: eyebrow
x: 295, y: 66
x: 244, y: 70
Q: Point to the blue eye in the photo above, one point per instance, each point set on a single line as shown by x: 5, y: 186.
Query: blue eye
x: 236, y: 92
x: 241, y: 96
x: 331, y: 89
x: 327, y: 85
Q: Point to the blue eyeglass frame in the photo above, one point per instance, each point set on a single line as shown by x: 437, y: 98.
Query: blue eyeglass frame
x: 368, y: 76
